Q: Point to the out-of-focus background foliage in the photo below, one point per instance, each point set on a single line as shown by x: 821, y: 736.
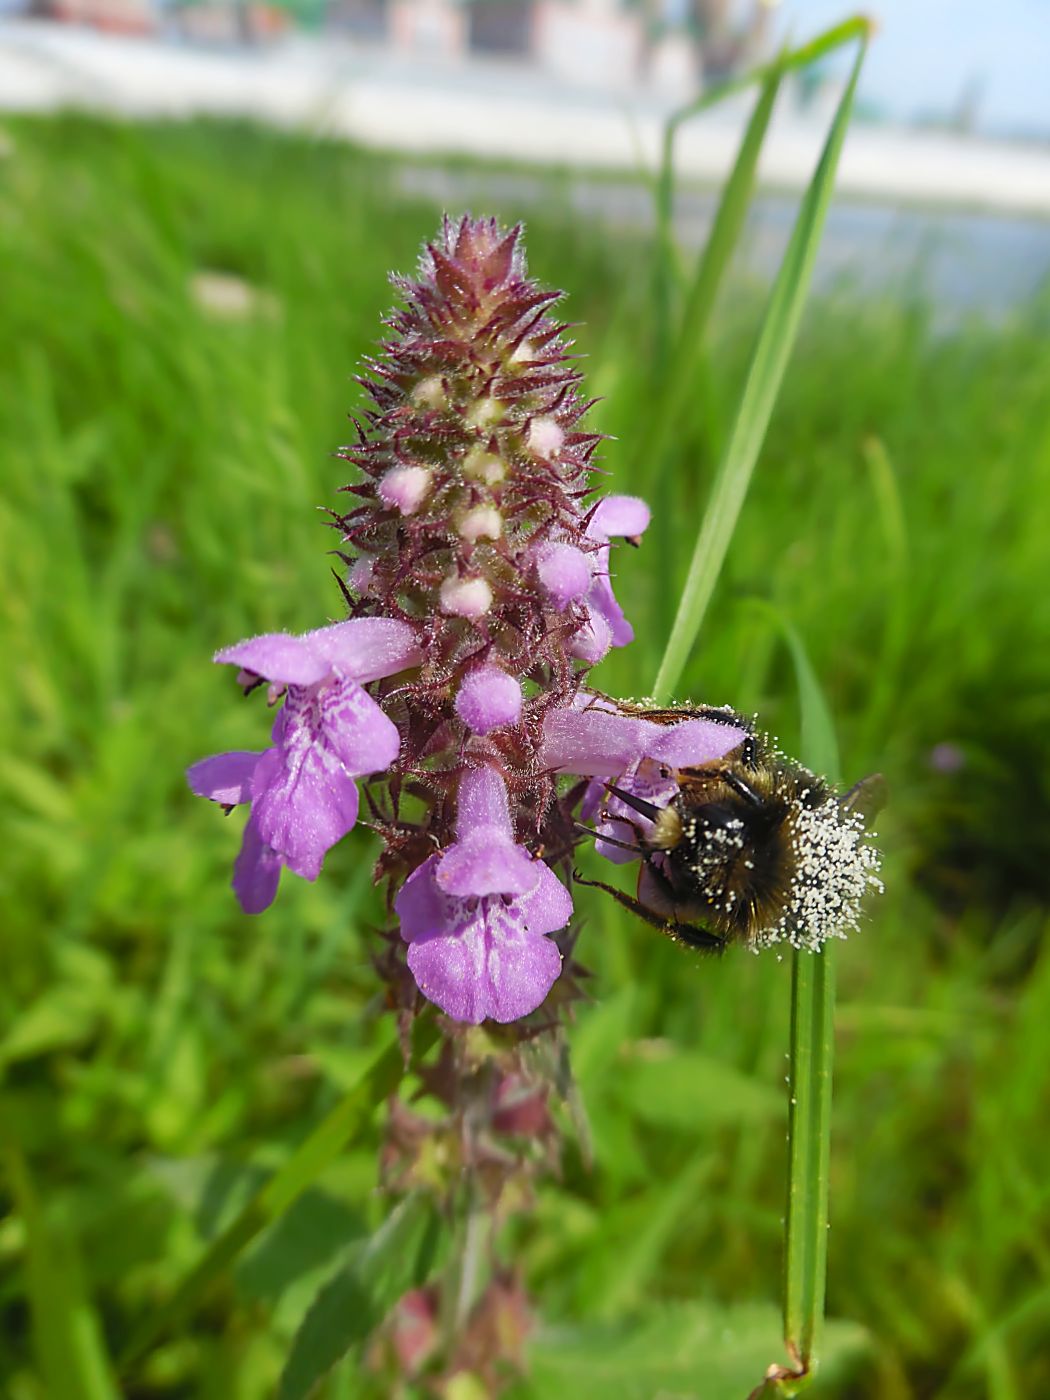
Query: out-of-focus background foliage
x: 183, y: 310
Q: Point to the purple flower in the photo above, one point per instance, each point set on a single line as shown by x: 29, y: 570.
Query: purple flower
x: 570, y: 574
x: 329, y: 732
x: 476, y: 914
x: 594, y: 739
x: 606, y: 624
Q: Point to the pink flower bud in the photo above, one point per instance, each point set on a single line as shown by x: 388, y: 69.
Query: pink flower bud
x: 488, y: 699
x: 466, y: 597
x: 545, y: 437
x: 405, y: 488
x: 564, y: 573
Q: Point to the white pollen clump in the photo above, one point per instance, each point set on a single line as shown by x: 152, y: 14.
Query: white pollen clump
x: 836, y: 868
x: 545, y: 437
x: 465, y: 597
x: 404, y: 488
x: 484, y: 466
x: 481, y: 523
x: 430, y: 392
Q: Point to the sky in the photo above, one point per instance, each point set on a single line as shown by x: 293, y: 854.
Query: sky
x: 929, y: 53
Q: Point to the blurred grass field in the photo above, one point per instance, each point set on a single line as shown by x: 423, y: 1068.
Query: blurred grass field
x: 166, y: 434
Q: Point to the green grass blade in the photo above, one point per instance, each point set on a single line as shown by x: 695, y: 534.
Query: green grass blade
x: 765, y: 376
x: 890, y: 513
x: 67, y: 1335
x: 722, y: 240
x: 857, y: 27
x: 303, y: 1168
x: 811, y: 1057
x: 684, y: 361
x: 376, y: 1273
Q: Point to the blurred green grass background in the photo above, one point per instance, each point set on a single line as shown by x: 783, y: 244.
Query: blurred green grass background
x: 165, y: 439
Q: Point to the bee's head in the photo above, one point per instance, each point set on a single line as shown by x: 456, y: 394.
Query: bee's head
x: 667, y: 829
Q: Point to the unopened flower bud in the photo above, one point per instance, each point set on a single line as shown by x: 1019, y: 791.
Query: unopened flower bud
x: 485, y: 413
x: 484, y: 466
x: 488, y: 699
x: 430, y: 392
x: 545, y: 437
x: 564, y: 573
x: 360, y: 574
x: 466, y: 597
x: 481, y: 523
x: 405, y: 488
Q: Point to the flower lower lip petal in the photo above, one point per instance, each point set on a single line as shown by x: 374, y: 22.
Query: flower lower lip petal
x: 303, y: 804
x: 490, y: 962
x: 226, y: 778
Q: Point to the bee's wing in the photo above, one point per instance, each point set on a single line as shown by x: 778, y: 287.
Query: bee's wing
x: 868, y: 797
x: 675, y: 714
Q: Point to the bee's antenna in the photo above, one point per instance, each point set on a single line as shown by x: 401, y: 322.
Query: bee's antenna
x: 637, y: 804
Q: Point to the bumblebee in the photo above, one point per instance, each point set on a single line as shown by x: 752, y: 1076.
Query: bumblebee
x: 752, y: 848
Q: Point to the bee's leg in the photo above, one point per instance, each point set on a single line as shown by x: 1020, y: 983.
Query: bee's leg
x: 693, y: 936
x: 637, y: 804
x: 609, y: 840
x: 682, y: 933
x: 740, y: 786
x: 628, y: 901
x: 661, y: 897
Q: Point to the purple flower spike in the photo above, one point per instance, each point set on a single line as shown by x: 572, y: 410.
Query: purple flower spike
x: 595, y: 740
x: 476, y: 916
x: 477, y: 556
x: 330, y: 731
x: 606, y: 624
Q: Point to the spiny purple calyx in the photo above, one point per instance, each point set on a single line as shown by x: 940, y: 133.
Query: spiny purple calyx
x: 479, y: 591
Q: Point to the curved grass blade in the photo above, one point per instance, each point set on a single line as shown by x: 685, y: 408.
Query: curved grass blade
x: 374, y: 1275
x: 855, y: 28
x: 710, y: 269
x: 684, y: 362
x: 303, y: 1168
x: 768, y: 365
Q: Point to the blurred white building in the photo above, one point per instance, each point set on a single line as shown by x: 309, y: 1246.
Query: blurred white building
x: 662, y: 44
